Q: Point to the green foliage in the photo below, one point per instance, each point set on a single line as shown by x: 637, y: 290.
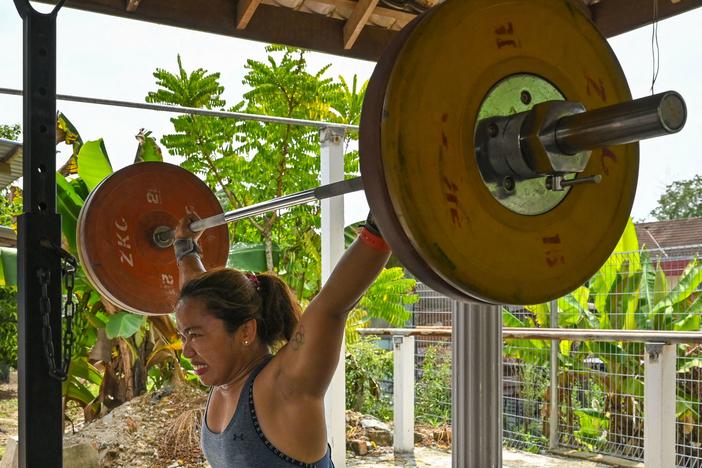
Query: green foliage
x: 67, y: 133
x: 386, y: 299
x: 246, y: 162
x: 592, y: 428
x: 630, y: 292
x: 124, y: 325
x: 8, y: 266
x: 148, y: 149
x: 367, y: 366
x: 682, y: 199
x: 8, y: 325
x: 433, y: 387
x: 93, y: 163
x: 127, y: 344
x: 10, y: 132
x: 10, y: 206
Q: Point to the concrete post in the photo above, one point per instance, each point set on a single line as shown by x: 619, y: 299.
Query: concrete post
x: 477, y: 386
x: 403, y: 387
x: 659, y: 405
x: 332, y: 170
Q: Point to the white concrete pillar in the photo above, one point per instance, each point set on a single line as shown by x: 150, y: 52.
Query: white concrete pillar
x: 477, y: 386
x: 332, y: 170
x: 659, y: 405
x: 403, y: 389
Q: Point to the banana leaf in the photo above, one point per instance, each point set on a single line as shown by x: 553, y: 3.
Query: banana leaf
x: 68, y: 204
x: 602, y: 282
x: 123, y: 325
x: 148, y: 149
x: 663, y: 312
x: 93, y: 163
x: 573, y: 309
x: 67, y: 133
x: 8, y: 266
x: 79, y: 372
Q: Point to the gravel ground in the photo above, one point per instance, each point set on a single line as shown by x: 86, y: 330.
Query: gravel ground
x: 429, y: 457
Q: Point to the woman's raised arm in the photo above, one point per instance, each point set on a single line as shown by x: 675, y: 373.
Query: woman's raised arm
x: 308, y: 361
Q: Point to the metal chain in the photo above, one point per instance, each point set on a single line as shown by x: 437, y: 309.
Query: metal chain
x: 58, y: 370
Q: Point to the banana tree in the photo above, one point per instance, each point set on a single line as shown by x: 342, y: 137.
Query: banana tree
x: 114, y: 349
x: 630, y: 292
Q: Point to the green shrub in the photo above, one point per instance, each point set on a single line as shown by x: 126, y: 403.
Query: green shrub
x: 433, y: 387
x: 8, y: 326
x: 367, y: 366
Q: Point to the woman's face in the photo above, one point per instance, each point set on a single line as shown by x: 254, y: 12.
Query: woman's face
x: 214, y: 352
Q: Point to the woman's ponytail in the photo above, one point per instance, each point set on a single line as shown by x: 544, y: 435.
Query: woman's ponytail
x: 280, y: 310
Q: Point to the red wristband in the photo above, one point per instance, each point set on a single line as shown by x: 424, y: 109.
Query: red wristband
x: 373, y: 241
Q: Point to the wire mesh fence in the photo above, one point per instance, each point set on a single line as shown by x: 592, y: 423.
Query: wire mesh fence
x: 525, y: 396
x: 600, y: 384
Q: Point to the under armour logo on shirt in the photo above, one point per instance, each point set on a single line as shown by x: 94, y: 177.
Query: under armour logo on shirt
x: 239, y: 436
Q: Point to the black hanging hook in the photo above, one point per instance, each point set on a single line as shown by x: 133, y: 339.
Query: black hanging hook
x: 25, y: 9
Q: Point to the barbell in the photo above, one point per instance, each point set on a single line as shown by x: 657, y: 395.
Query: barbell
x: 499, y: 156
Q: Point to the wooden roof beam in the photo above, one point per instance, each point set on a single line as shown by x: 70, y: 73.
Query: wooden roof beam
x: 132, y: 5
x: 402, y: 16
x: 354, y: 25
x: 245, y: 10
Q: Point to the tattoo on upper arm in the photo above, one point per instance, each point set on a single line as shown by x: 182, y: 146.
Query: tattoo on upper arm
x: 298, y: 339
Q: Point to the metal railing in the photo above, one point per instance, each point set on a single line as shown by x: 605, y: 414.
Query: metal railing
x: 642, y: 305
x: 615, y: 427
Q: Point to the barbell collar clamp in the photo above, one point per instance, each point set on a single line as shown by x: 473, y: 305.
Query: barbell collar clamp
x: 558, y: 184
x: 556, y: 137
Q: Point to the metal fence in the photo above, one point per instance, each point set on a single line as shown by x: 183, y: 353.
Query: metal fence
x: 600, y: 384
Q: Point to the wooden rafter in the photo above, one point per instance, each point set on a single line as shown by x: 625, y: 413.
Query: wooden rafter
x: 245, y: 10
x: 358, y: 20
x: 132, y: 5
x: 401, y: 17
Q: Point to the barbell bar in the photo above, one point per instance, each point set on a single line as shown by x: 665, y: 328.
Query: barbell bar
x: 512, y: 216
x: 648, y: 117
x: 164, y: 236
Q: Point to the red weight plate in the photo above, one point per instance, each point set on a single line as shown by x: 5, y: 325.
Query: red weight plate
x: 115, y: 234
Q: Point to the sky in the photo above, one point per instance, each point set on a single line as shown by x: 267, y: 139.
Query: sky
x: 102, y: 56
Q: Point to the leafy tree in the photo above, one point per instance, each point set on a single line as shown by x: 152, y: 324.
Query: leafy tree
x: 10, y: 197
x: 248, y: 162
x: 10, y: 206
x: 682, y: 199
x: 8, y: 328
x: 116, y: 353
x: 10, y: 132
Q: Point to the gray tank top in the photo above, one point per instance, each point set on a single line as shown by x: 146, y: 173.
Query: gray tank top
x: 242, y: 443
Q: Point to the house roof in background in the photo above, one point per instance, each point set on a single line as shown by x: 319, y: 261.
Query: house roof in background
x: 8, y: 238
x: 672, y: 233
x: 10, y: 162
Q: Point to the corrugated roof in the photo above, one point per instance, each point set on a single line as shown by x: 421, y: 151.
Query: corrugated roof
x: 672, y: 233
x: 8, y: 238
x: 10, y: 162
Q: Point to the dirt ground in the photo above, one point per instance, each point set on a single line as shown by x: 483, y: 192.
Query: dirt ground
x: 8, y: 414
x: 161, y: 430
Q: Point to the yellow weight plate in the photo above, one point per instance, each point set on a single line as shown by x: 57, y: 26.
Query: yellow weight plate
x: 372, y: 169
x: 446, y: 68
